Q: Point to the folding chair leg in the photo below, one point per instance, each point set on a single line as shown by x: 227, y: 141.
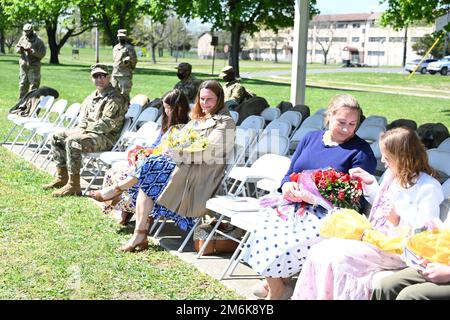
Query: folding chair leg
x: 160, y: 228
x: 211, y: 234
x: 17, y: 138
x: 153, y: 226
x: 9, y: 134
x: 189, y: 235
x: 234, y: 258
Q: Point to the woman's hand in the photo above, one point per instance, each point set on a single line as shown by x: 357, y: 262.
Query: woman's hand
x: 436, y: 273
x: 388, y: 210
x: 362, y: 174
x: 292, y: 192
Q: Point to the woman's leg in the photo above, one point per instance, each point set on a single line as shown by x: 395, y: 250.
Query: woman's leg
x: 144, y: 205
x: 277, y: 287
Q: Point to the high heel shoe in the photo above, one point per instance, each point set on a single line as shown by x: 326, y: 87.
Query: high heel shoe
x: 106, y: 194
x: 125, y: 217
x: 141, y: 246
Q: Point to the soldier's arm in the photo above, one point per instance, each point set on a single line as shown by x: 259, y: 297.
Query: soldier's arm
x: 133, y: 56
x: 238, y: 93
x: 38, y: 49
x: 112, y: 117
x: 83, y: 121
x: 19, y: 47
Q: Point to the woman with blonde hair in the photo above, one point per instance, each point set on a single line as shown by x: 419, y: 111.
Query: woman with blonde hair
x: 406, y: 199
x: 277, y: 248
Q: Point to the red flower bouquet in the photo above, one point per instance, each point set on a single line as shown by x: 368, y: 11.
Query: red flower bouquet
x: 138, y: 154
x: 330, y: 188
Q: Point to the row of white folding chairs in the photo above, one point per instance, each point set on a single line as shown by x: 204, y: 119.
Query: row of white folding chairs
x: 133, y: 118
x: 39, y: 113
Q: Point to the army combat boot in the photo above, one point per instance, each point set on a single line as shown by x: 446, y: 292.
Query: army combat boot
x: 62, y: 177
x: 72, y: 188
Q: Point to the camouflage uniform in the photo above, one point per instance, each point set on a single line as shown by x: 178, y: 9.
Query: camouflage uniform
x: 99, y: 129
x: 30, y: 62
x: 233, y: 90
x: 189, y: 84
x: 189, y: 87
x: 124, y: 62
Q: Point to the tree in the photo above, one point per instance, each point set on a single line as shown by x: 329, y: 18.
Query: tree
x: 62, y: 15
x: 149, y: 31
x: 325, y: 42
x: 422, y: 46
x: 240, y: 16
x: 403, y: 13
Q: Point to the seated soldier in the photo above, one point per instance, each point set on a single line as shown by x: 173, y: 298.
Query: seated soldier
x: 233, y: 89
x: 98, y: 130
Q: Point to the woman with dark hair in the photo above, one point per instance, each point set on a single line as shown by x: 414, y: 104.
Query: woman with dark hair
x: 178, y: 186
x: 176, y: 110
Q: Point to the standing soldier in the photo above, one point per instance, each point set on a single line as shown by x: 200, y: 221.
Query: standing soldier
x: 188, y: 83
x: 98, y: 130
x: 32, y: 50
x: 233, y: 90
x: 124, y: 62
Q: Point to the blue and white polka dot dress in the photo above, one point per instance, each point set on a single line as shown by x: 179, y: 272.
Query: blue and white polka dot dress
x: 278, y: 248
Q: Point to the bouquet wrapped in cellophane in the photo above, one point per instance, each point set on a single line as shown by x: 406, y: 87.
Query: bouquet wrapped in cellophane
x: 181, y: 139
x: 137, y: 155
x: 433, y: 245
x: 349, y: 224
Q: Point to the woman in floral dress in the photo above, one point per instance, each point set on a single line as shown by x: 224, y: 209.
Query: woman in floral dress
x: 176, y: 110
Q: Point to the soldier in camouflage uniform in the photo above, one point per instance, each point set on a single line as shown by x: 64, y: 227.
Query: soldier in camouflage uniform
x: 233, y: 90
x: 98, y: 130
x: 124, y: 62
x: 31, y: 49
x: 188, y: 84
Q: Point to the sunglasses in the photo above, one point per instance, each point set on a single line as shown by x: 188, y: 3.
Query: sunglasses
x: 99, y: 75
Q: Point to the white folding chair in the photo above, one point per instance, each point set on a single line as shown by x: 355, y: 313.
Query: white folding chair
x: 66, y: 121
x: 369, y: 132
x: 321, y: 111
x: 445, y: 205
x: 293, y: 117
x: 56, y: 110
x: 440, y: 161
x: 375, y: 120
x: 44, y: 104
x: 270, y: 114
x: 280, y: 127
x: 444, y: 145
x: 234, y: 115
x: 253, y: 122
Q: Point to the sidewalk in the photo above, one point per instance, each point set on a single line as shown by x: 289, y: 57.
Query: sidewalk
x: 170, y: 238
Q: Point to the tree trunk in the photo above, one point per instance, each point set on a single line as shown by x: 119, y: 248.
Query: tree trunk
x: 405, y: 47
x: 235, y: 47
x: 53, y: 46
x: 2, y: 41
x: 153, y: 53
x: 276, y: 47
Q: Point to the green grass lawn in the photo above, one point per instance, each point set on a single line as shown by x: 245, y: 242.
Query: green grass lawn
x: 55, y: 249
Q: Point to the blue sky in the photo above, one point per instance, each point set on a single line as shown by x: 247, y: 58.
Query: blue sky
x: 349, y: 6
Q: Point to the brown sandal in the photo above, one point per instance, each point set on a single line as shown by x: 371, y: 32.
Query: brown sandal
x: 109, y: 193
x: 141, y: 246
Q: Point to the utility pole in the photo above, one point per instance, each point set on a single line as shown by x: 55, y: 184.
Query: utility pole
x: 405, y: 47
x: 97, y: 59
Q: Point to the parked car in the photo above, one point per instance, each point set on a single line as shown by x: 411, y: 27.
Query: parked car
x: 411, y: 66
x: 441, y: 66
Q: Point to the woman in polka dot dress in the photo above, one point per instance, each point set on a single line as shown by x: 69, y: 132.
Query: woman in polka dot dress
x: 278, y: 247
x: 407, y: 198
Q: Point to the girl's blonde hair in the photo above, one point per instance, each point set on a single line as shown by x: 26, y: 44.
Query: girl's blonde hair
x: 407, y: 151
x: 342, y: 101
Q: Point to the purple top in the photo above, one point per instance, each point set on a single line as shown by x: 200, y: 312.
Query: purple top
x: 312, y: 153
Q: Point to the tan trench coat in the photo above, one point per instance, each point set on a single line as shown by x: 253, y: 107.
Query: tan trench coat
x: 197, y: 176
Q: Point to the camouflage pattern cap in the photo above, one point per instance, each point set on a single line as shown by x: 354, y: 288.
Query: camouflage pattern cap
x: 122, y: 32
x: 27, y: 27
x: 99, y: 68
x: 184, y: 66
x: 226, y: 71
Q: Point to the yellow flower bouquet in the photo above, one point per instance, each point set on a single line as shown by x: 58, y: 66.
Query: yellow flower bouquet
x: 349, y: 224
x: 433, y: 245
x: 181, y: 139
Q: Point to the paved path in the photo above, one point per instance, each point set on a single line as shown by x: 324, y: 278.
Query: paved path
x: 318, y: 71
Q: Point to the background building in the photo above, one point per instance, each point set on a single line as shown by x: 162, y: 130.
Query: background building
x: 334, y: 38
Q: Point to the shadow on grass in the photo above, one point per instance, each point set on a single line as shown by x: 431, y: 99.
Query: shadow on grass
x: 446, y: 112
